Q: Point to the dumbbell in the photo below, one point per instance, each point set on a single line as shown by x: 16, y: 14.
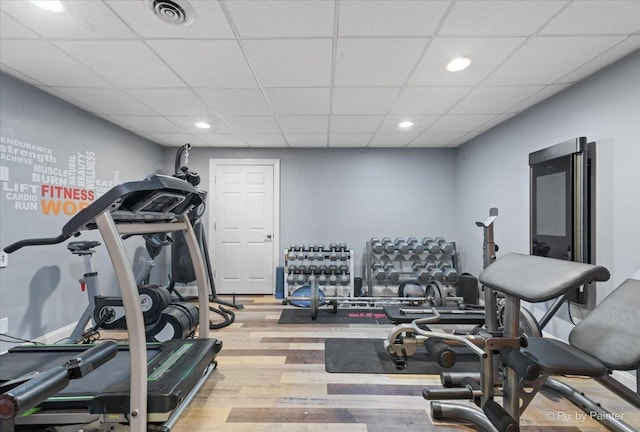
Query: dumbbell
x: 343, y: 268
x: 443, y: 265
x: 388, y: 245
x: 342, y: 247
x: 301, y: 279
x: 333, y: 246
x: 401, y: 245
x: 392, y: 272
x: 424, y: 273
x: 332, y: 268
x: 432, y: 247
x: 376, y: 245
x: 294, y: 269
x: 451, y: 275
x: 291, y: 279
x: 378, y: 271
x: 333, y: 256
x: 415, y: 246
x: 447, y: 248
x: 313, y: 269
x: 426, y: 240
x: 322, y: 279
x: 319, y: 256
x: 333, y: 280
x: 343, y: 256
x: 417, y: 266
x: 343, y: 279
x: 319, y: 247
x: 436, y: 274
x: 439, y: 240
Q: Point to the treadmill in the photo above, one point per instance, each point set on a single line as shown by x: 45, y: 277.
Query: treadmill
x: 146, y: 384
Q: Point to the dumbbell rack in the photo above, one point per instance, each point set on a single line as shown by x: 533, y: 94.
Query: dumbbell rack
x: 332, y: 267
x: 409, y: 261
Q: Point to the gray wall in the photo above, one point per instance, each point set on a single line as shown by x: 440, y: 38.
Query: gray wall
x: 492, y: 170
x: 39, y: 290
x: 350, y: 195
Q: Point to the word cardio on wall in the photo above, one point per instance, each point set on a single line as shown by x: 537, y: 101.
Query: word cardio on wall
x: 34, y: 180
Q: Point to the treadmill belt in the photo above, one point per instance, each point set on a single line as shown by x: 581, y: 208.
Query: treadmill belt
x: 174, y: 368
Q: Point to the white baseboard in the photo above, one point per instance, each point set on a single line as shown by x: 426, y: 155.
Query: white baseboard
x: 56, y: 335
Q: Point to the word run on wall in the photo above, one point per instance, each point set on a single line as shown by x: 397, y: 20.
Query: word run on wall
x: 35, y: 180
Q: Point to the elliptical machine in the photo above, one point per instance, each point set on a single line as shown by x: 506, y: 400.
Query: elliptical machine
x: 164, y: 318
x: 182, y: 271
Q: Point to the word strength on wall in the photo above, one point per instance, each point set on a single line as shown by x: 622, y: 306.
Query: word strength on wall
x: 33, y: 180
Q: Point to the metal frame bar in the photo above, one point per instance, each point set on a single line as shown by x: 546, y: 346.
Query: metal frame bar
x: 134, y: 320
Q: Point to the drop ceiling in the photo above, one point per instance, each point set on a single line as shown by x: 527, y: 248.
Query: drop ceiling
x: 325, y: 73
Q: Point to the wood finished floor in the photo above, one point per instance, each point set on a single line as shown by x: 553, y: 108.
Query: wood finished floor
x: 271, y: 377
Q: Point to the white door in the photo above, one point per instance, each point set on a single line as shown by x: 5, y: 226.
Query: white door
x: 244, y: 209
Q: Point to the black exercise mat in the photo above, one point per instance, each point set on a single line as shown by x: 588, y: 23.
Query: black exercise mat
x: 327, y: 316
x: 369, y: 356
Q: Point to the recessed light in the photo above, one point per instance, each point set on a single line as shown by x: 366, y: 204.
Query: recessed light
x: 50, y: 5
x: 458, y: 64
x: 203, y: 125
x: 405, y: 124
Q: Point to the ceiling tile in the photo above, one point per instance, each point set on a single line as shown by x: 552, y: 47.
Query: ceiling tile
x: 390, y: 18
x: 304, y: 124
x: 459, y: 123
x: 11, y: 29
x: 264, y: 140
x: 175, y: 102
x: 252, y: 124
x: 376, y: 62
x: 80, y: 19
x: 428, y: 100
x: 498, y: 17
x: 561, y: 55
x: 198, y: 63
x: 487, y: 100
x: 19, y: 75
x: 420, y: 123
x: 435, y: 139
x: 235, y: 101
x: 209, y: 20
x: 291, y: 63
x: 363, y: 100
x: 392, y: 139
x: 223, y: 140
x: 349, y: 140
x: 299, y: 101
x: 596, y: 17
x: 608, y: 57
x: 538, y: 97
x: 148, y: 124
x: 485, y: 54
x: 500, y: 118
x: 307, y: 140
x: 108, y: 101
x: 282, y: 18
x: 188, y: 124
x: 127, y: 64
x: 176, y: 139
x: 355, y: 124
x: 28, y: 58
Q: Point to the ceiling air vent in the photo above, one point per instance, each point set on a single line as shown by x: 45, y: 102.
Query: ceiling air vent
x: 175, y: 12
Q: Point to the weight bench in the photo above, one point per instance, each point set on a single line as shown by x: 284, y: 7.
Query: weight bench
x: 608, y: 339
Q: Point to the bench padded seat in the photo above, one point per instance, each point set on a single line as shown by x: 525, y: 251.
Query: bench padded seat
x: 558, y: 358
x: 611, y: 332
x: 536, y: 279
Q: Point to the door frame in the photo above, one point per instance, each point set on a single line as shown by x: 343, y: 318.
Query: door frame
x: 275, y: 163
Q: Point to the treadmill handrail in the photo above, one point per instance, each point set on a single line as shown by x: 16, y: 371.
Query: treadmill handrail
x: 35, y: 242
